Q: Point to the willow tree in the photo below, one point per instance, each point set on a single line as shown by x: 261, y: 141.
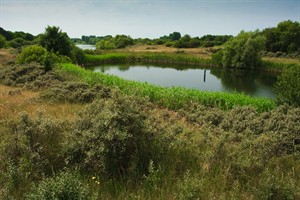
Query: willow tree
x: 241, y: 51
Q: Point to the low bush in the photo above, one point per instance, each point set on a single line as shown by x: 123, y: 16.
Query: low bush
x: 74, y: 92
x: 33, y: 53
x: 112, y: 138
x: 65, y: 185
x: 31, y: 75
x: 32, y: 151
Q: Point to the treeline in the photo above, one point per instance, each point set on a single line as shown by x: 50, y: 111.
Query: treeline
x: 15, y: 39
x: 283, y: 38
x: 174, y: 39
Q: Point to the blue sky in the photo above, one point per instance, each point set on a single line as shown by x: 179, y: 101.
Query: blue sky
x: 145, y: 18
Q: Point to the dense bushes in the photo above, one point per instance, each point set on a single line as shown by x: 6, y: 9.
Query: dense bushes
x: 112, y: 138
x: 33, y: 53
x: 117, y: 42
x: 283, y: 38
x: 288, y: 86
x: 241, y: 51
x: 2, y: 41
x: 74, y: 92
x: 31, y: 75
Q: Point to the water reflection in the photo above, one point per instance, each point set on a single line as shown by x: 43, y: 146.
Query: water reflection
x: 253, y: 83
x: 247, y: 81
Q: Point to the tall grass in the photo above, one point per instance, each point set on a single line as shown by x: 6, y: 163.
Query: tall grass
x: 123, y: 57
x: 174, y: 97
x: 277, y: 66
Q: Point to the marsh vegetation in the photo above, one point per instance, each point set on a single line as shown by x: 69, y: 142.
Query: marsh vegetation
x: 69, y: 133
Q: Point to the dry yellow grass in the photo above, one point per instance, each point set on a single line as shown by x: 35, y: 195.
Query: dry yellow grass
x: 15, y: 100
x: 200, y: 52
x: 7, y: 56
x: 282, y: 60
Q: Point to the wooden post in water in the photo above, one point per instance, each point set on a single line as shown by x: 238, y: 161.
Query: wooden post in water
x: 204, y: 77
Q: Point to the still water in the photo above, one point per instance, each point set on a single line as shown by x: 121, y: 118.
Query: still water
x: 86, y: 46
x: 253, y: 83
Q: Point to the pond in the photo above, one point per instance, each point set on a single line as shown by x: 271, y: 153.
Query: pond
x: 253, y: 83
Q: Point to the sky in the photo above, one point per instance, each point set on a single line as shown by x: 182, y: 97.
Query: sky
x: 146, y: 18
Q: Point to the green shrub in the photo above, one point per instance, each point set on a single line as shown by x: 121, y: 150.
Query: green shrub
x: 77, y: 55
x: 112, y: 138
x: 242, y: 51
x: 288, y: 86
x: 33, y: 53
x: 2, y: 41
x: 19, y: 42
x: 74, y: 92
x: 190, y: 188
x: 31, y: 75
x: 66, y: 185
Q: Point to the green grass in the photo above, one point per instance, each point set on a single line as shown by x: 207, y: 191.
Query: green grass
x: 172, y: 98
x: 125, y: 57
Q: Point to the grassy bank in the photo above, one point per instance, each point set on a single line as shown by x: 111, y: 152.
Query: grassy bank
x: 173, y: 98
x: 149, y: 57
x: 278, y: 65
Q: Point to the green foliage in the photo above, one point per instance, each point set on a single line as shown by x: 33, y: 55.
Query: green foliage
x: 105, y: 44
x: 241, y: 51
x: 8, y: 35
x: 288, y: 86
x: 187, y: 42
x: 18, y: 43
x: 112, y: 138
x: 217, y: 58
x: 175, y: 36
x: 2, y: 41
x: 173, y: 98
x: 33, y: 151
x: 161, y: 58
x: 39, y: 54
x: 77, y: 55
x: 33, y: 53
x: 117, y: 42
x: 92, y: 39
x: 54, y: 40
x: 190, y: 188
x: 66, y: 185
x: 283, y: 38
x: 31, y: 75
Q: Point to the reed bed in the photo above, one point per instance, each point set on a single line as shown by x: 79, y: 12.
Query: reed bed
x: 163, y: 58
x: 174, y: 97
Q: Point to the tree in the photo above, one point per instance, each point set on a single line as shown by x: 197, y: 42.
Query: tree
x: 287, y: 87
x: 117, y: 42
x: 241, y: 51
x: 284, y: 38
x: 2, y: 41
x: 54, y: 40
x: 175, y: 36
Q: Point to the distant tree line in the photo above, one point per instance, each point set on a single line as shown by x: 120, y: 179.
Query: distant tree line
x: 15, y: 39
x: 172, y: 40
x: 284, y: 39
